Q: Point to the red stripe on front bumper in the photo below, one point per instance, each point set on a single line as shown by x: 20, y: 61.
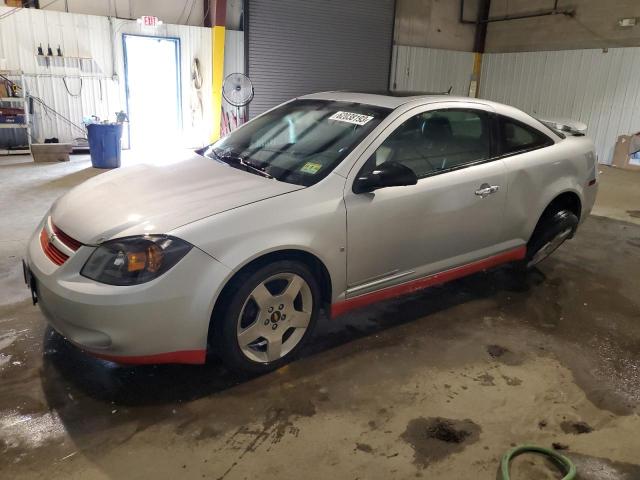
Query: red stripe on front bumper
x: 195, y: 357
x: 55, y: 255
x: 72, y: 243
x: 435, y: 279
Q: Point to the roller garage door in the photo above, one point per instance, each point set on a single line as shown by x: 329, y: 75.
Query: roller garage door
x: 297, y: 47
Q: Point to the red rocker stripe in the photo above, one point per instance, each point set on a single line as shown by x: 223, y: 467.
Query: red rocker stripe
x: 195, y: 357
x: 340, y: 308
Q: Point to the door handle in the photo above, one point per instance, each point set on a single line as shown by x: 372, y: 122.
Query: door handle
x: 486, y: 190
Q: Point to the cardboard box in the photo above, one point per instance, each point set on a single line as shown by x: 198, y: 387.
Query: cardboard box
x: 51, y: 152
x: 625, y: 154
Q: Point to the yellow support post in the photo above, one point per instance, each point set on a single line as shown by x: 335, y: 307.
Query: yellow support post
x: 217, y: 70
x: 474, y: 89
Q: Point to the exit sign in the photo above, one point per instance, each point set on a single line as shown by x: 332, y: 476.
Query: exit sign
x: 149, y: 21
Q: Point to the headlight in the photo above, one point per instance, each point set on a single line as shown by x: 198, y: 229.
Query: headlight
x: 134, y: 260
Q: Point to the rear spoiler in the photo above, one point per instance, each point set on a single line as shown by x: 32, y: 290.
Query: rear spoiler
x: 570, y: 127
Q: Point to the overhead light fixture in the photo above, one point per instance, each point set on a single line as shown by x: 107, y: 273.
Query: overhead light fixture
x: 627, y: 22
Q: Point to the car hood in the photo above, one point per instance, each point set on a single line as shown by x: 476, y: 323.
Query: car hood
x: 147, y: 199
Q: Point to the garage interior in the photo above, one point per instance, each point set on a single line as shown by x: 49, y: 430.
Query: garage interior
x: 436, y: 384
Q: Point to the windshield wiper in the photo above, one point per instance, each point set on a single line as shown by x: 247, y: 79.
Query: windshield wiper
x: 238, y: 161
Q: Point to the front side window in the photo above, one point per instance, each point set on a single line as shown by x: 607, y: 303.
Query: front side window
x: 437, y: 141
x: 300, y: 142
x: 517, y: 137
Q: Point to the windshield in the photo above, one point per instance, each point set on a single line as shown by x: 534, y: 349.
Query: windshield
x: 300, y: 142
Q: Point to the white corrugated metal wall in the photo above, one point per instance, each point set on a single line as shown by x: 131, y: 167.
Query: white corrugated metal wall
x: 233, y: 52
x: 419, y: 69
x: 600, y: 89
x: 101, y: 93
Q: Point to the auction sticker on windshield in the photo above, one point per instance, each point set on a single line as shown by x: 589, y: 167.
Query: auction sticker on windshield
x: 349, y: 117
x: 311, y: 167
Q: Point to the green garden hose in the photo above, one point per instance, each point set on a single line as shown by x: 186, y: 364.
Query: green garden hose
x: 564, y: 462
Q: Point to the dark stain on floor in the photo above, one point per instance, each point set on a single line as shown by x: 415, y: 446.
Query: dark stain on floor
x: 576, y: 428
x: 512, y: 381
x: 436, y: 438
x: 486, y: 380
x: 634, y: 213
x: 364, y: 447
x: 496, y: 351
x: 503, y: 355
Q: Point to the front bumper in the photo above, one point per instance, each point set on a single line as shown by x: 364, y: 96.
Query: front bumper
x: 162, y: 321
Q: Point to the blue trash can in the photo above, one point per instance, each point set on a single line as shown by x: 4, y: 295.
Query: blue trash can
x: 104, y: 144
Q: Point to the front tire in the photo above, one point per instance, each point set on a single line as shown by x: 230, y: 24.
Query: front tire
x: 551, y: 232
x: 266, y: 315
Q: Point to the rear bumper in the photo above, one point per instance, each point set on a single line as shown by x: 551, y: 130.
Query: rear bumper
x: 162, y: 321
x: 589, y: 199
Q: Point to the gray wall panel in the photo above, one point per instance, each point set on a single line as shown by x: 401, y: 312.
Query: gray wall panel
x: 304, y: 46
x: 594, y: 87
x: 418, y: 69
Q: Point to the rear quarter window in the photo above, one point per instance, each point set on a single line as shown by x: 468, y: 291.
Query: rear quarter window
x: 516, y: 137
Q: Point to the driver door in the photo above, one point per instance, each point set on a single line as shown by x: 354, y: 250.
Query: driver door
x: 451, y: 217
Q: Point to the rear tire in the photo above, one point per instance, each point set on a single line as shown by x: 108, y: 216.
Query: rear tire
x: 265, y: 317
x: 552, y: 231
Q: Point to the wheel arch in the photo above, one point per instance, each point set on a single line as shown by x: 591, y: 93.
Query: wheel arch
x: 315, y: 264
x: 567, y: 200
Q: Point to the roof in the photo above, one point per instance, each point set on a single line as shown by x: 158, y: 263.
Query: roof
x: 394, y: 100
x: 384, y: 99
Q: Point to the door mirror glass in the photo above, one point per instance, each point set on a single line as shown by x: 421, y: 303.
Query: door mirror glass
x: 388, y: 174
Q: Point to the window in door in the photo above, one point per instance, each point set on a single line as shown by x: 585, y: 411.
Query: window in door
x: 437, y: 141
x: 515, y: 137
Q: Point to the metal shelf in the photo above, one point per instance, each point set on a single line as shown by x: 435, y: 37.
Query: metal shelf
x: 18, y: 77
x: 64, y: 56
x: 16, y: 151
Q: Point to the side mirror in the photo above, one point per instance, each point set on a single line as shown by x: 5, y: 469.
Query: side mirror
x: 389, y: 174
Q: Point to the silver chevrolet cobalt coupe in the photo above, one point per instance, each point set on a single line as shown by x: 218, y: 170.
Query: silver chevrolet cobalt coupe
x: 330, y: 201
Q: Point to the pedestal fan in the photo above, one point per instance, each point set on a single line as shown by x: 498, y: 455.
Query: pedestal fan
x: 237, y: 90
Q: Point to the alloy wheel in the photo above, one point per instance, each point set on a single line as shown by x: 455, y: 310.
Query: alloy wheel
x: 274, y: 317
x: 550, y: 247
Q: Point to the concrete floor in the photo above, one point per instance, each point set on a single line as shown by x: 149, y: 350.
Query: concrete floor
x: 435, y: 385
